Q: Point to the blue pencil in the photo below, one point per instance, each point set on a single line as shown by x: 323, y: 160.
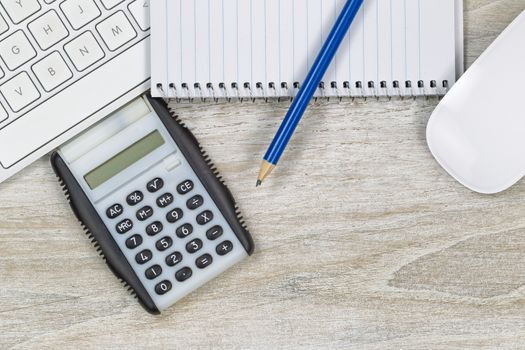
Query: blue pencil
x: 310, y: 84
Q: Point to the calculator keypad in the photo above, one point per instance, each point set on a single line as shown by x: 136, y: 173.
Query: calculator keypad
x: 188, y: 241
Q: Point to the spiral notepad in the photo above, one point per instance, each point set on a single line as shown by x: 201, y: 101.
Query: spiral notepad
x: 264, y: 48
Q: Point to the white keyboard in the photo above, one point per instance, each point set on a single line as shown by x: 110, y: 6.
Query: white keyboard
x: 64, y: 65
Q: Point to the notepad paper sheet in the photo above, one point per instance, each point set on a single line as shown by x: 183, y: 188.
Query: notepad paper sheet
x: 264, y: 48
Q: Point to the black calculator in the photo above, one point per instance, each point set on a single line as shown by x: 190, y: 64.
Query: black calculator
x: 152, y: 202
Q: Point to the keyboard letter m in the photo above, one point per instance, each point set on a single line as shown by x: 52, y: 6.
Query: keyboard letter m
x: 116, y: 30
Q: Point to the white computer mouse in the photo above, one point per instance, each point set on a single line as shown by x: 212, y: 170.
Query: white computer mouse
x: 477, y: 132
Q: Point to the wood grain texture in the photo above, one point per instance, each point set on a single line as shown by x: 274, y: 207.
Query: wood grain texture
x: 362, y: 241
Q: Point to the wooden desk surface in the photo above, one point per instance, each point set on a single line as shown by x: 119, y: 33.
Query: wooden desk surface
x: 362, y: 241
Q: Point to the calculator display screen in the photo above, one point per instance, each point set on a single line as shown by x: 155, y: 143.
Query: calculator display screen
x: 124, y: 159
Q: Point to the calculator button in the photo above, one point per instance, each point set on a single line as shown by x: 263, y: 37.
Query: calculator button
x: 194, y: 246
x: 224, y: 248
x: 194, y: 202
x: 134, y: 241
x: 144, y: 256
x: 163, y: 287
x: 165, y: 200
x: 155, y: 185
x: 185, y: 187
x: 184, y: 230
x: 174, y: 215
x: 204, y: 261
x: 183, y: 274
x: 134, y: 198
x: 114, y: 211
x: 204, y: 217
x: 153, y: 272
x: 144, y: 213
x: 173, y: 259
x: 214, y: 232
x: 154, y: 228
x: 164, y: 243
x: 124, y: 226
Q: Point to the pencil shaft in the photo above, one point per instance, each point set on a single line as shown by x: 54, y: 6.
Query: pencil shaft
x: 310, y: 84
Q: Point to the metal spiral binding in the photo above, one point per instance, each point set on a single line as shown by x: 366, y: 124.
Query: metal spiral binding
x: 279, y: 92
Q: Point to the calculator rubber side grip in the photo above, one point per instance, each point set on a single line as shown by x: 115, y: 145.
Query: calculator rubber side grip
x: 205, y: 171
x: 95, y: 227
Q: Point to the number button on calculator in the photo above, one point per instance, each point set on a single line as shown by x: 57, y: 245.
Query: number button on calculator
x: 194, y: 246
x: 144, y: 256
x: 154, y: 228
x: 163, y: 287
x: 164, y: 243
x: 184, y: 230
x: 134, y: 241
x: 173, y: 259
x: 174, y: 215
x: 153, y: 272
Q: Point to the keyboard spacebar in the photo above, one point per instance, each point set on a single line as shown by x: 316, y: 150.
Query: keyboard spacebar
x: 74, y: 104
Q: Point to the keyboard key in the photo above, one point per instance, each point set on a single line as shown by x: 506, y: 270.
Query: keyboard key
x: 163, y: 287
x: 3, y: 25
x: 109, y: 4
x: 52, y: 71
x: 144, y: 213
x: 134, y: 241
x: 165, y: 200
x: 134, y: 198
x: 173, y: 259
x: 79, y: 12
x: 203, y: 261
x: 153, y: 272
x: 140, y: 11
x: 116, y: 30
x: 204, y: 217
x: 124, y: 226
x: 84, y: 51
x: 154, y: 228
x: 224, y: 248
x: 155, y: 185
x: 20, y: 10
x: 174, y: 215
x: 194, y: 202
x: 48, y: 29
x: 114, y: 211
x: 144, y: 256
x: 214, y: 233
x: 183, y: 274
x: 19, y: 91
x: 194, y: 246
x: 16, y: 50
x: 184, y: 230
x: 164, y: 243
x: 185, y: 187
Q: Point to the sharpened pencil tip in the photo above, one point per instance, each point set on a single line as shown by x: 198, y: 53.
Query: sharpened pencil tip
x: 259, y: 183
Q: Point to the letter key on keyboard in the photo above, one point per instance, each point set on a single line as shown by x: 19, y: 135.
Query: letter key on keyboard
x: 19, y: 91
x: 52, y: 71
x: 20, y: 10
x: 116, y: 30
x: 84, y: 51
x: 48, y: 29
x: 16, y: 50
x: 80, y: 12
